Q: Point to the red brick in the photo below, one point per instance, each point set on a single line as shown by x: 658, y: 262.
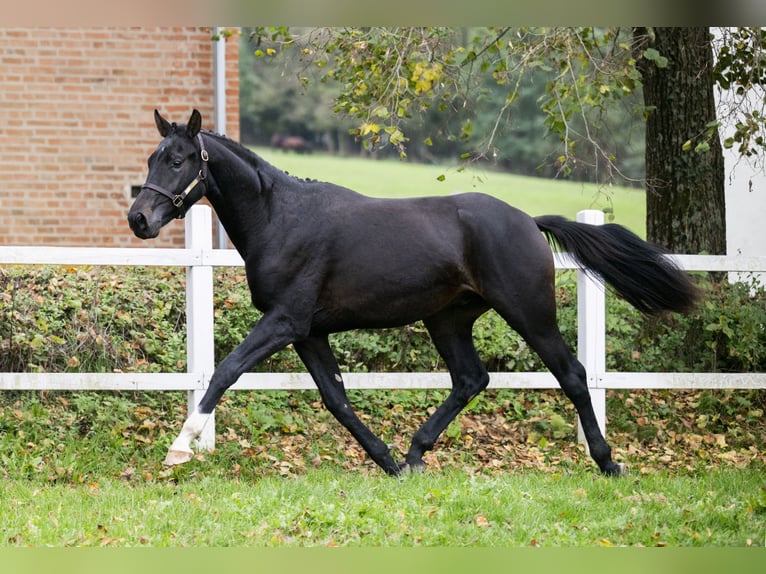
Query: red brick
x: 77, y: 103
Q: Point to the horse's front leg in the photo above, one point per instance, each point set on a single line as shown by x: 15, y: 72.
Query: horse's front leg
x: 316, y: 354
x: 180, y: 451
x: 272, y: 333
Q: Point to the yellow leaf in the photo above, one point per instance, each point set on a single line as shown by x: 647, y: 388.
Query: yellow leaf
x: 396, y: 137
x: 367, y: 128
x: 422, y: 85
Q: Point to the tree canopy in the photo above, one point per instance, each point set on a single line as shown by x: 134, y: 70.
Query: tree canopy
x: 565, y: 102
x: 446, y: 110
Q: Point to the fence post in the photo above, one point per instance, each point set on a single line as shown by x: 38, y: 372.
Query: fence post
x: 200, y: 351
x: 591, y: 331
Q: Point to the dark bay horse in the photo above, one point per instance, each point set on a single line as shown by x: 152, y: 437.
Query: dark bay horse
x: 320, y: 258
x: 291, y: 143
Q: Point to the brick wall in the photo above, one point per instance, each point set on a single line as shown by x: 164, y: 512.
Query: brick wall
x: 76, y: 125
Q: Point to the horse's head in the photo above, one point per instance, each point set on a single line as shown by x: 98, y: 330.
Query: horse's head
x: 177, y: 177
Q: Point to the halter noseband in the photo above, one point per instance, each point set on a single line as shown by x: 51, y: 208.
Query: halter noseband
x: 178, y: 198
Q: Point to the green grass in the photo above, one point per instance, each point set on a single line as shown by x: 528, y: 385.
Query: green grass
x: 83, y: 469
x: 328, y: 507
x: 536, y: 196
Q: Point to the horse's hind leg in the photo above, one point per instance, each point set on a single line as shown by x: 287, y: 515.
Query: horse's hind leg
x: 572, y: 377
x: 316, y: 354
x: 451, y: 333
x: 533, y: 316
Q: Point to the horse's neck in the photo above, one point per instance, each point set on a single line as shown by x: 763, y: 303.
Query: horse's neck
x: 243, y: 197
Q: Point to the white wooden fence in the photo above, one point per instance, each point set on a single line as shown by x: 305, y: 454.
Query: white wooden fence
x: 199, y: 258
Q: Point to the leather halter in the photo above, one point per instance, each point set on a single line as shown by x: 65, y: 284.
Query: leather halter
x: 178, y: 198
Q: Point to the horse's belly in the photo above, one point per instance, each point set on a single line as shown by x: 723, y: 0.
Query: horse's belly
x: 381, y: 308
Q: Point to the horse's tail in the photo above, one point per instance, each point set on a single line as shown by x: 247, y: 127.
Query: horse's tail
x: 637, y: 270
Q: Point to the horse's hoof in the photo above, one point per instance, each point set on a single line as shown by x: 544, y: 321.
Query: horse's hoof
x: 176, y: 457
x: 616, y: 469
x: 406, y: 468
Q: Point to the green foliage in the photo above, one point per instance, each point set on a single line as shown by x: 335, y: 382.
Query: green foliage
x: 91, y: 319
x: 739, y: 69
x: 491, y: 94
x: 653, y: 55
x: 274, y: 98
x: 725, y: 333
x: 60, y: 319
x: 593, y: 74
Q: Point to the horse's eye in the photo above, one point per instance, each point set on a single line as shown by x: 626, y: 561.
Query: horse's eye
x: 177, y: 162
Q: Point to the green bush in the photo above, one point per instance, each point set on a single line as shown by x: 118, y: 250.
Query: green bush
x: 100, y: 319
x: 60, y: 319
x: 725, y: 333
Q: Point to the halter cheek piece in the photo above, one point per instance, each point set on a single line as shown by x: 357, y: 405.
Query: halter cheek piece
x: 178, y: 198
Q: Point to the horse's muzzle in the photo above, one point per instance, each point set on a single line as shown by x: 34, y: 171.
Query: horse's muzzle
x: 140, y: 226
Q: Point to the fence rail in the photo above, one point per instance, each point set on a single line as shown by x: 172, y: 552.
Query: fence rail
x: 199, y: 258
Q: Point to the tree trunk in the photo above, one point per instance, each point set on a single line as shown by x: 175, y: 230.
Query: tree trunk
x: 685, y: 209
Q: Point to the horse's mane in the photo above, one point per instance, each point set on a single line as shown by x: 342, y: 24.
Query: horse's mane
x: 251, y: 156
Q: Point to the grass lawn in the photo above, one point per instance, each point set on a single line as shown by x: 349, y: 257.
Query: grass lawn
x: 394, y: 178
x: 88, y: 473
x: 333, y: 507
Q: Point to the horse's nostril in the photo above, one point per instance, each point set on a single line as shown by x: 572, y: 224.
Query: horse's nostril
x: 137, y: 220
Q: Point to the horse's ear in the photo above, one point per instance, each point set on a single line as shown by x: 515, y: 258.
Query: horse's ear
x: 194, y: 125
x: 163, y: 125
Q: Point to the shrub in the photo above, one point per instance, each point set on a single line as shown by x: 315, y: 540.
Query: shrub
x: 96, y: 319
x: 725, y: 333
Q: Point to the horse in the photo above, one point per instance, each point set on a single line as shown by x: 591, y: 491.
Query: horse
x: 291, y: 143
x: 321, y: 258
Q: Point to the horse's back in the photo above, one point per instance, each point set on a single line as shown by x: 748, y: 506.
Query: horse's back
x: 390, y: 262
x: 460, y: 228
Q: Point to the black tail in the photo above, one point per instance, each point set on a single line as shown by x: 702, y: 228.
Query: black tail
x: 637, y: 270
